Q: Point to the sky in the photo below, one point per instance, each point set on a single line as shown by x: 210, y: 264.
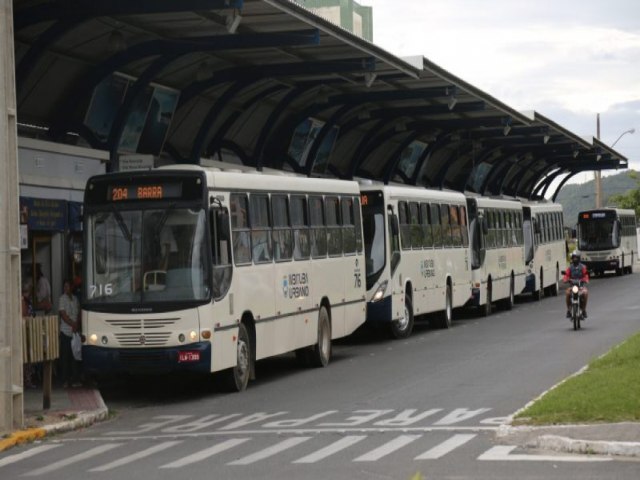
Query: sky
x: 567, y: 59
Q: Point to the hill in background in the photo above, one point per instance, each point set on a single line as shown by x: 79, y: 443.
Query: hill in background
x: 575, y: 198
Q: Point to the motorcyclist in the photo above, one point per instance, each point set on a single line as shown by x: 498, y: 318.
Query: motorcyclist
x: 576, y: 271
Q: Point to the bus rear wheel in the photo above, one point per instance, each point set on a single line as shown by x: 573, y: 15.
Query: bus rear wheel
x: 486, y: 309
x: 320, y: 353
x: 402, y: 327
x: 445, y: 318
x: 238, y: 376
x: 508, y: 302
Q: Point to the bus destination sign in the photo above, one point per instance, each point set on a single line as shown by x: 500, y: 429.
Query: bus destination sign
x: 158, y: 191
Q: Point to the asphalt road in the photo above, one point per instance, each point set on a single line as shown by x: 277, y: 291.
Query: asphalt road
x: 383, y: 409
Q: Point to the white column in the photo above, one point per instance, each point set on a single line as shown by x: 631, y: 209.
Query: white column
x: 11, y: 401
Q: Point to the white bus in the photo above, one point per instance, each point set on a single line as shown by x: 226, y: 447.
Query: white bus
x: 196, y: 269
x: 417, y: 254
x: 497, y: 251
x: 545, y: 247
x: 607, y: 239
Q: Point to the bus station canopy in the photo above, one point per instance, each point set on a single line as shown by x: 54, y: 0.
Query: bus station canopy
x: 275, y: 86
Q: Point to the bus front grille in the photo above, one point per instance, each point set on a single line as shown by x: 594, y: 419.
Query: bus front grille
x: 150, y: 339
x: 143, y: 332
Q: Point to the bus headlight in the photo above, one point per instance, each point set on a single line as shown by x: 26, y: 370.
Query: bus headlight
x: 379, y: 294
x: 104, y: 340
x: 93, y: 339
x: 193, y: 336
x: 181, y: 338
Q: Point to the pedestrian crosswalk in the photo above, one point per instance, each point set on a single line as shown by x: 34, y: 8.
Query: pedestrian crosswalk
x: 45, y: 459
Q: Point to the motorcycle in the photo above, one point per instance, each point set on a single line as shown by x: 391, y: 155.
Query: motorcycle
x: 576, y: 303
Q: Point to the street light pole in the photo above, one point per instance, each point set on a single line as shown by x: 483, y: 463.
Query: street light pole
x: 598, y: 176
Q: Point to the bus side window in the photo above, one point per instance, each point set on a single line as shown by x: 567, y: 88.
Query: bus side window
x: 240, y: 229
x: 334, y: 230
x: 465, y: 229
x: 348, y: 226
x: 220, y: 252
x: 427, y: 236
x: 405, y: 227
x: 435, y: 225
x: 300, y: 224
x: 260, y: 228
x: 318, y: 229
x: 282, y: 241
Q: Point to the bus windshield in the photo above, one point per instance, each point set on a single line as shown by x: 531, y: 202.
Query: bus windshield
x: 146, y: 255
x: 600, y: 234
x: 373, y: 224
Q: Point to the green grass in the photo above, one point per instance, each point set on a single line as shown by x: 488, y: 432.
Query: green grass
x: 607, y: 391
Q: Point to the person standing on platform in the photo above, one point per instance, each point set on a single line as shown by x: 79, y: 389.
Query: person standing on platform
x: 69, y: 311
x: 43, y: 291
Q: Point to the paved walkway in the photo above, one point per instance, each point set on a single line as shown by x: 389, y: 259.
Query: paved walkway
x: 70, y: 409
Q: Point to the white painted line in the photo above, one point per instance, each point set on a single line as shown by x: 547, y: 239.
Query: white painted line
x: 135, y: 456
x: 329, y: 450
x: 73, y: 459
x: 502, y: 453
x: 26, y: 454
x: 387, y: 448
x: 445, y: 447
x: 204, y: 454
x: 269, y: 452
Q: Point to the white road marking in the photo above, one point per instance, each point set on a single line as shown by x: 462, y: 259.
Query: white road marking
x: 387, y: 448
x: 503, y: 452
x: 204, y: 454
x: 271, y: 451
x: 135, y: 456
x: 329, y: 450
x: 445, y: 447
x: 26, y: 454
x: 73, y: 459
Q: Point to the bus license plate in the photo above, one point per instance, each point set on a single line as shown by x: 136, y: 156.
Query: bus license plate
x: 184, y: 357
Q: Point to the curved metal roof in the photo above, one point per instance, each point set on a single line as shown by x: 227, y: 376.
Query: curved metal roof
x: 249, y: 72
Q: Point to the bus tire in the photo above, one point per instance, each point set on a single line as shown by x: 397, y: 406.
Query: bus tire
x: 508, y: 302
x: 238, y: 376
x: 445, y: 318
x: 320, y: 353
x: 555, y: 288
x: 402, y: 327
x: 539, y: 294
x: 486, y: 309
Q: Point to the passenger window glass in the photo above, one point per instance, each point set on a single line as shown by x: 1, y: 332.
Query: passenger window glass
x: 260, y: 228
x: 300, y: 224
x: 318, y: 230
x: 282, y: 235
x: 240, y: 229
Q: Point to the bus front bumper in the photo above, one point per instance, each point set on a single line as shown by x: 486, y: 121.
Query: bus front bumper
x: 530, y: 283
x: 379, y: 312
x: 602, y: 265
x: 195, y: 357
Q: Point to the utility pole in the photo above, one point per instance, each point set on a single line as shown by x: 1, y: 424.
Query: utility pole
x: 598, y: 173
x: 11, y: 400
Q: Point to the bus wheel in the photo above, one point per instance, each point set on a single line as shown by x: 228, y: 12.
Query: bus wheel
x: 402, y: 327
x: 486, y: 310
x: 321, y: 352
x: 508, y: 302
x: 555, y: 288
x: 540, y: 293
x: 446, y: 316
x: 238, y: 376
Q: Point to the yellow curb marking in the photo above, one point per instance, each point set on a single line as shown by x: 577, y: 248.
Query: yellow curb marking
x: 22, y: 436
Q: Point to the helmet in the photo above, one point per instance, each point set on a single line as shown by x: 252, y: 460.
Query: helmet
x: 575, y: 254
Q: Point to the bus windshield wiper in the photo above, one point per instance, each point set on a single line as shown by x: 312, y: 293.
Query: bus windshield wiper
x: 121, y: 223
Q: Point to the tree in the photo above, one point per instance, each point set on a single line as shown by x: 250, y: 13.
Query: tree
x: 630, y: 199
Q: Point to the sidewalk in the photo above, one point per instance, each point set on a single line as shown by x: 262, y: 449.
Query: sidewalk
x: 613, y: 439
x: 71, y: 409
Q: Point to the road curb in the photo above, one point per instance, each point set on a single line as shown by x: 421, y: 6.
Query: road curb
x: 75, y: 421
x: 591, y: 447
